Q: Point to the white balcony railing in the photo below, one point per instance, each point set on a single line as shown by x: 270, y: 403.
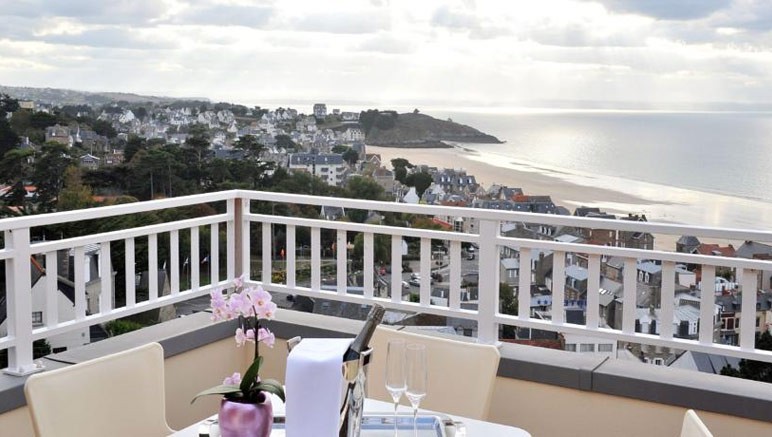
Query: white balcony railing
x: 237, y: 231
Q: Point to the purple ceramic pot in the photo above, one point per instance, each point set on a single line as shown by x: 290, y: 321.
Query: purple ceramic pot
x: 246, y: 420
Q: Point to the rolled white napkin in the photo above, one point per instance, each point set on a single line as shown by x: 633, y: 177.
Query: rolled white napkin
x: 314, y: 386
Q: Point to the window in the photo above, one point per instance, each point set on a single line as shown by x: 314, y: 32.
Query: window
x: 640, y: 275
x: 658, y: 361
x: 584, y: 347
x: 571, y: 347
x: 58, y: 350
x: 605, y: 347
x: 758, y: 321
x: 37, y: 318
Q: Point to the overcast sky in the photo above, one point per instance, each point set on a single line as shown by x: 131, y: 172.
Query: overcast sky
x: 416, y: 52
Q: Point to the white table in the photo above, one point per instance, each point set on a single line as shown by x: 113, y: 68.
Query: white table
x: 473, y: 427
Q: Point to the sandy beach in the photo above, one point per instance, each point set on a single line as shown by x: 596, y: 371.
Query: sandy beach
x: 658, y: 203
x: 532, y: 182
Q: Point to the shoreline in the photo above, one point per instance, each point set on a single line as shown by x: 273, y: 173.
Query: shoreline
x: 562, y: 192
x: 672, y: 205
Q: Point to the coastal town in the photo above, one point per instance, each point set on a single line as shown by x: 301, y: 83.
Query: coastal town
x: 330, y: 146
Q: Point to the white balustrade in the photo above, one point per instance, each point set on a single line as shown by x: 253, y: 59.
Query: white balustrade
x: 240, y: 225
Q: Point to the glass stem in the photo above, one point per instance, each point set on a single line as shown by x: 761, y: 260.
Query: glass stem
x: 396, y: 405
x: 415, y: 421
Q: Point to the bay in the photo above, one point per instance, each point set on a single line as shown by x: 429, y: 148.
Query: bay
x: 697, y: 168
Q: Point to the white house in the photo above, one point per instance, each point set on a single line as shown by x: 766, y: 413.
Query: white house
x: 591, y: 345
x: 330, y: 167
x: 353, y: 134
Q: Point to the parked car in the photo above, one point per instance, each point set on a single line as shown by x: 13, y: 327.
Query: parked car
x: 415, y: 281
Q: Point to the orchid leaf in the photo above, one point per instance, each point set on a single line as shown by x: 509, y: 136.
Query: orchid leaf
x: 250, y: 377
x: 218, y: 390
x: 272, y: 386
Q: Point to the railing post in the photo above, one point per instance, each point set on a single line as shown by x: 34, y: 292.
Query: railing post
x: 19, y: 303
x: 488, y: 292
x: 235, y: 235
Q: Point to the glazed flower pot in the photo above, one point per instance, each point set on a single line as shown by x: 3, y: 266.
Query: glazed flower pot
x: 245, y: 420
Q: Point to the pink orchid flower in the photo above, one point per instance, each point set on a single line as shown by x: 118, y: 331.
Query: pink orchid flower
x: 266, y: 337
x: 267, y: 311
x: 218, y: 305
x: 244, y: 336
x: 234, y: 379
x: 259, y: 297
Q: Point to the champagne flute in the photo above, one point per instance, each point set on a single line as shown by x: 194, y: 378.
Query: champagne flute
x: 395, y: 373
x: 416, y: 378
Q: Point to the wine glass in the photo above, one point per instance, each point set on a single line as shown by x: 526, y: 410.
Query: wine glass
x: 416, y: 378
x: 395, y: 373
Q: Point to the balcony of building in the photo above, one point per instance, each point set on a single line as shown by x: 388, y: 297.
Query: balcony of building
x: 201, y: 243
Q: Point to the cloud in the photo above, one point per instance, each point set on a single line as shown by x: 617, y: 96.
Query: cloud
x: 226, y: 15
x: 444, y: 16
x: 342, y: 22
x: 463, y: 20
x: 387, y: 44
x: 584, y: 35
x: 113, y: 37
x: 746, y: 14
x: 89, y: 11
x: 667, y: 9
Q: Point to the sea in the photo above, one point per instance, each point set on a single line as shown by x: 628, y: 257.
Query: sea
x: 698, y: 168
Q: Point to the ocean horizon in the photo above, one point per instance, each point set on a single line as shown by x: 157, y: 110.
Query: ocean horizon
x: 704, y: 168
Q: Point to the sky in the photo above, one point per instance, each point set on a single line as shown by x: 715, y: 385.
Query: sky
x: 468, y: 53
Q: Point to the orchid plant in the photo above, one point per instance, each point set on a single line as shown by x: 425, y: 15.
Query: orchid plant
x: 250, y: 306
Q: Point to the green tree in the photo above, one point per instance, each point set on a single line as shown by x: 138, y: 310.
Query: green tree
x: 48, y: 174
x: 74, y: 194
x: 286, y: 142
x: 251, y: 147
x: 750, y: 369
x: 118, y: 327
x: 351, y: 156
x: 252, y: 168
x: 401, y: 165
x: 104, y: 128
x: 367, y: 119
x: 154, y: 171
x: 16, y: 169
x: 507, y: 305
x: 108, y: 180
x: 42, y: 120
x: 8, y: 138
x: 381, y: 248
x: 133, y: 145
x: 7, y: 104
x: 359, y: 187
x: 340, y: 148
x: 421, y: 181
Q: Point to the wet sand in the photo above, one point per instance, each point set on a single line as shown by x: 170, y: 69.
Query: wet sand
x: 658, y: 205
x: 532, y: 182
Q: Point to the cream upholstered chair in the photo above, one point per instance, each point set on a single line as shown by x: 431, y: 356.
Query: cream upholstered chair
x: 116, y: 395
x: 693, y: 426
x: 461, y: 374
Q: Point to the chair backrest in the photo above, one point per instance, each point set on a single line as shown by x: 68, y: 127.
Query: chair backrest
x: 117, y: 395
x: 693, y: 426
x: 461, y: 374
